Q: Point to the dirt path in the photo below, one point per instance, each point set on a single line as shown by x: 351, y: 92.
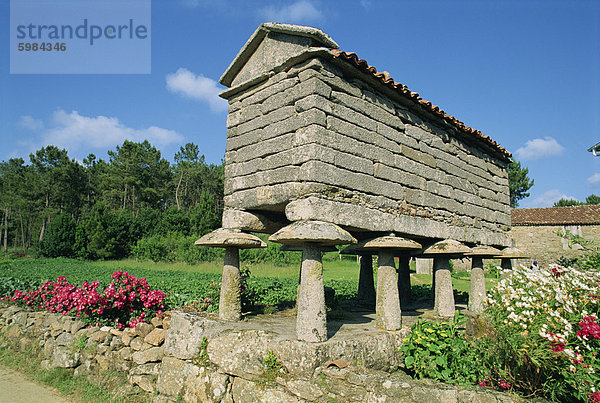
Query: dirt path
x: 16, y: 388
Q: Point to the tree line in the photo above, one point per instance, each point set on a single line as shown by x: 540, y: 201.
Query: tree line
x: 590, y: 200
x: 136, y: 203
x: 96, y: 209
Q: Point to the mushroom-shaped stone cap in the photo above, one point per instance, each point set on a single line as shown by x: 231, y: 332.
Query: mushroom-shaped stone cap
x: 312, y: 232
x: 483, y: 251
x: 298, y: 248
x: 225, y: 237
x: 389, y: 242
x: 512, y: 253
x: 447, y: 247
x: 355, y: 250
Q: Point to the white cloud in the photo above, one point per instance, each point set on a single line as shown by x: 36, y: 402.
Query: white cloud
x: 301, y: 11
x: 29, y: 123
x: 594, y: 180
x: 539, y: 148
x: 546, y: 199
x: 81, y: 133
x: 198, y: 87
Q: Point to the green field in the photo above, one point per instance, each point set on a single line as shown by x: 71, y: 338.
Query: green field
x: 268, y: 284
x: 333, y: 268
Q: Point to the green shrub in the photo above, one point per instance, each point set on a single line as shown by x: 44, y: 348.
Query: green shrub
x: 174, y: 247
x: 439, y: 350
x: 59, y: 237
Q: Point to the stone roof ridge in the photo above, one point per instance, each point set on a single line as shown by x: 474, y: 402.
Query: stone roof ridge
x: 318, y: 36
x: 570, y: 215
x: 385, y: 79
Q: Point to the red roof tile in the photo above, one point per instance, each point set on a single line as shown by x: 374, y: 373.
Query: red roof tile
x: 581, y: 215
x: 384, y: 78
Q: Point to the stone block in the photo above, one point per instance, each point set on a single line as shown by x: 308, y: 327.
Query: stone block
x: 395, y: 175
x: 248, y: 138
x: 314, y: 101
x: 84, y: 369
x: 138, y: 344
x: 345, y: 143
x: 321, y: 172
x: 295, y: 122
x: 396, y: 135
x: 65, y: 339
x: 243, y: 115
x: 156, y: 321
x: 126, y: 338
x: 99, y: 336
x: 272, y: 197
x: 312, y: 86
x: 156, y: 337
x: 367, y: 108
x: 248, y: 221
x: 265, y: 120
x: 153, y: 354
x: 240, y: 353
x: 351, y: 116
x: 379, y: 100
x: 63, y: 357
x: 243, y: 390
x: 263, y: 178
x: 266, y: 147
x: 204, y: 385
x: 151, y: 368
x: 125, y: 353
x: 268, y: 89
x: 171, y: 377
x: 185, y: 334
x: 145, y: 382
x: 333, y: 81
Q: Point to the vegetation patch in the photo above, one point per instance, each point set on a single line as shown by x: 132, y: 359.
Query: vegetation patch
x: 539, y: 336
x: 202, y: 359
x: 273, y: 368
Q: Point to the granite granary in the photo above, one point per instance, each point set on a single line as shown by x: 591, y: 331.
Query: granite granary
x: 315, y: 133
x: 322, y: 149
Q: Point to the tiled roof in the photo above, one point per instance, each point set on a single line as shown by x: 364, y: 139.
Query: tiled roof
x: 582, y: 215
x: 385, y: 79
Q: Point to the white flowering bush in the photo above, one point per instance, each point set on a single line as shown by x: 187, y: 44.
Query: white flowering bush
x: 546, y: 332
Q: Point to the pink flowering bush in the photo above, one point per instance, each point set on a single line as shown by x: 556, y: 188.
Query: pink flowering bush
x: 547, y: 322
x: 126, y: 301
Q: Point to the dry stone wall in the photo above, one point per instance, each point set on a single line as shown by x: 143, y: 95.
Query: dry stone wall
x: 185, y: 357
x: 543, y: 242
x: 320, y: 129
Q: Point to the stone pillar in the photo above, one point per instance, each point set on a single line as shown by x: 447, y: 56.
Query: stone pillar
x: 424, y: 265
x: 444, y: 295
x: 506, y: 264
x: 477, y: 291
x: 366, y: 285
x: 389, y: 315
x: 230, y: 302
x: 404, y: 280
x: 311, y: 318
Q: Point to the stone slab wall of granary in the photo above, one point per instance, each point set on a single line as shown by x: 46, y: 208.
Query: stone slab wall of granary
x: 546, y: 233
x: 194, y: 358
x: 316, y: 134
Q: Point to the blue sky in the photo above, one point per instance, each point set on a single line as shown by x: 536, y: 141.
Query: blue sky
x: 526, y: 73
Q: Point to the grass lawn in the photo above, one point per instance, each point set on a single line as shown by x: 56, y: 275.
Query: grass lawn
x: 333, y: 268
x: 184, y: 283
x: 462, y: 284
